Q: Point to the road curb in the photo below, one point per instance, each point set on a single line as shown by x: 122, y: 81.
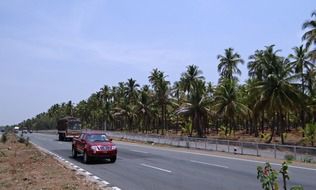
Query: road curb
x: 79, y: 171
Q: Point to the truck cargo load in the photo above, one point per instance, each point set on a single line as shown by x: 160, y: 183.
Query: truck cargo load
x: 68, y: 128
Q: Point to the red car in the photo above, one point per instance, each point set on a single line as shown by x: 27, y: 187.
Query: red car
x: 94, y: 144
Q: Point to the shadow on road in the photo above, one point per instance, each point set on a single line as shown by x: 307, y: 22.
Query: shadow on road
x: 92, y: 161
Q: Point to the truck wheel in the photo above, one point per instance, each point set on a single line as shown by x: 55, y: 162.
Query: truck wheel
x: 74, y: 152
x: 113, y: 159
x: 86, y: 158
x: 61, y: 137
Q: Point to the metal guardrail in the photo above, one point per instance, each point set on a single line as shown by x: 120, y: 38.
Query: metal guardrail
x: 306, y: 154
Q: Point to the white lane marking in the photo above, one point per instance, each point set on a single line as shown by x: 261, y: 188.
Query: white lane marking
x: 209, y: 164
x: 116, y: 188
x: 154, y: 167
x: 217, y: 156
x: 139, y: 151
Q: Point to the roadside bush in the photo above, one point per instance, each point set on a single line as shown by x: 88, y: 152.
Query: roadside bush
x: 4, y: 138
x: 310, y: 133
x: 264, y: 136
x: 308, y: 159
x: 187, y: 129
x: 25, y: 141
x: 21, y: 139
x: 289, y: 157
x: 222, y: 131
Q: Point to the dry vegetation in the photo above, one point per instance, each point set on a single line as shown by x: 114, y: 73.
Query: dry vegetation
x: 24, y: 167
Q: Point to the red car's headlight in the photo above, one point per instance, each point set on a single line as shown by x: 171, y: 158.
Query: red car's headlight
x: 95, y: 148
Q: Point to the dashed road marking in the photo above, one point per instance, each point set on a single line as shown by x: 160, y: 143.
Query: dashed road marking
x: 209, y: 164
x: 139, y: 151
x: 157, y: 168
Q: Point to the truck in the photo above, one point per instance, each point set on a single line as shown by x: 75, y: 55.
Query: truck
x: 16, y: 129
x: 94, y: 145
x: 68, y: 128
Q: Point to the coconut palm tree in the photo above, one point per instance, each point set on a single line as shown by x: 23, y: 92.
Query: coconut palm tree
x: 131, y: 90
x: 189, y: 77
x: 161, y: 87
x: 227, y: 105
x: 301, y: 64
x: 144, y: 107
x: 310, y: 35
x: 277, y: 94
x: 196, y: 106
x: 255, y: 65
x: 228, y: 64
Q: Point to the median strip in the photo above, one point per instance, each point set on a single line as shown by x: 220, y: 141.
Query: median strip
x: 154, y: 167
x: 209, y: 164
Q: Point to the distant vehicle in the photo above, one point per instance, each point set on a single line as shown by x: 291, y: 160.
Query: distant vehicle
x: 16, y: 129
x: 30, y: 131
x: 68, y: 128
x: 2, y: 130
x: 24, y: 131
x: 94, y: 145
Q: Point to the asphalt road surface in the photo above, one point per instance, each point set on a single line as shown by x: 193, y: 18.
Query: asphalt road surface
x: 142, y: 167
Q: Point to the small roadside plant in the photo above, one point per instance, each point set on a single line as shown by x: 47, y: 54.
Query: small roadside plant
x: 264, y: 136
x: 310, y: 133
x: 223, y: 131
x: 289, y: 157
x: 269, y: 177
x: 187, y: 129
x: 307, y: 159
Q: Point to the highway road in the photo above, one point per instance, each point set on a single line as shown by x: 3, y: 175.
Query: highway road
x: 145, y: 167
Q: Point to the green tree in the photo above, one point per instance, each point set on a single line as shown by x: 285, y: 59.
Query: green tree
x: 228, y: 64
x: 161, y: 87
x: 301, y: 65
x: 277, y: 93
x: 226, y: 104
x: 310, y: 35
x: 196, y: 107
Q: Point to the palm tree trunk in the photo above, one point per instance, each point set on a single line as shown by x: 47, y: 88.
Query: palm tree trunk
x: 162, y: 120
x: 262, y: 122
x: 282, y: 127
x: 272, y: 129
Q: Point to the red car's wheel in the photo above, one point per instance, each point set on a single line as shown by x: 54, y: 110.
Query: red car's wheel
x: 86, y: 158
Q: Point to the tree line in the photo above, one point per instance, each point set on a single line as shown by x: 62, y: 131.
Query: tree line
x: 278, y: 96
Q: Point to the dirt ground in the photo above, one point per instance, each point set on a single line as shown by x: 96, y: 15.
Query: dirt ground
x: 24, y: 167
x: 294, y: 137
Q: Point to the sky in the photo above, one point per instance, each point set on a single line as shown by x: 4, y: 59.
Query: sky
x: 56, y: 51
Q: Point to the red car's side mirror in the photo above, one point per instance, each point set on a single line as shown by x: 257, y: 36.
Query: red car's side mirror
x: 111, y: 140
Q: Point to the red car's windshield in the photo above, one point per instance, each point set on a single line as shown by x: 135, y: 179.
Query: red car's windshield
x: 97, y: 138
